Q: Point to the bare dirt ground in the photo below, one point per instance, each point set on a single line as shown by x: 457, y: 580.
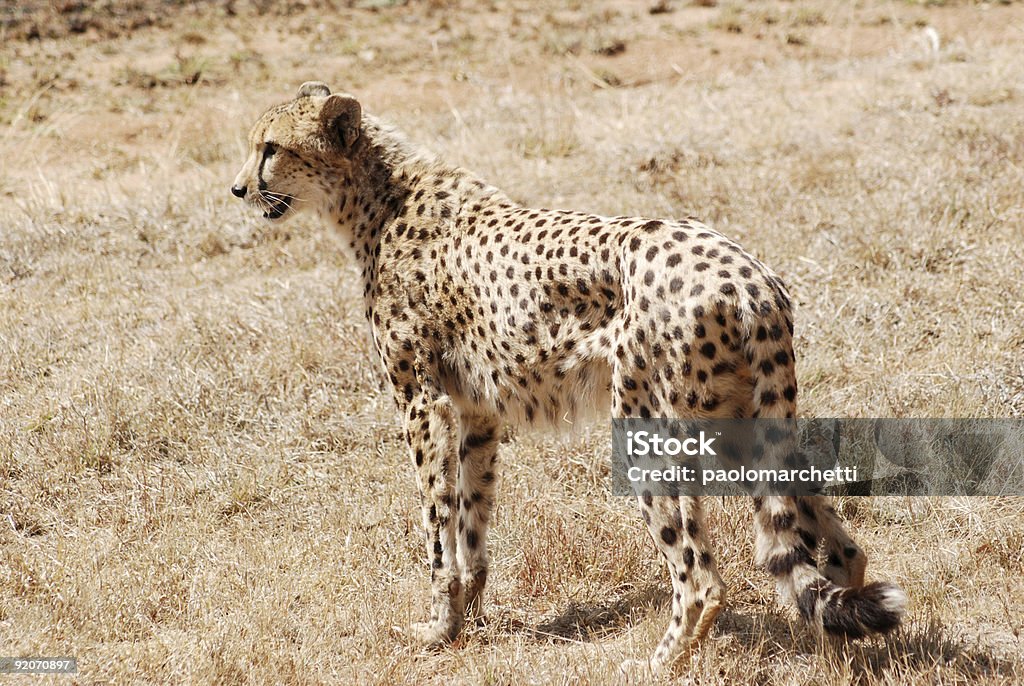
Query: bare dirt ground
x: 202, y: 476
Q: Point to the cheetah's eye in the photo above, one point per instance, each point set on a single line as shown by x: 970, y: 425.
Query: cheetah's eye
x: 269, y: 149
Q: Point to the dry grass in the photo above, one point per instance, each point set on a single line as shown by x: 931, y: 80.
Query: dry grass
x: 202, y: 477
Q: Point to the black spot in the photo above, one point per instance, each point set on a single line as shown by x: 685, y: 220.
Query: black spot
x: 723, y: 368
x: 807, y: 601
x: 691, y: 528
x: 783, y: 564
x: 806, y: 509
x: 782, y: 521
x: 808, y: 538
x: 775, y: 435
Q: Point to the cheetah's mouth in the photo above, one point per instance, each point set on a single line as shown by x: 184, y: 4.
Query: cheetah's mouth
x: 276, y: 207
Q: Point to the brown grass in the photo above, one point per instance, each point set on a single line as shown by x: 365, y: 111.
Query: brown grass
x: 202, y: 477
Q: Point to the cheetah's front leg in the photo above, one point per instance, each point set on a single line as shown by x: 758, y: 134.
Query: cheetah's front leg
x: 433, y: 434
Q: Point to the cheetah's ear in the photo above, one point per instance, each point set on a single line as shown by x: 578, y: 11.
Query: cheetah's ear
x: 313, y: 88
x: 342, y: 118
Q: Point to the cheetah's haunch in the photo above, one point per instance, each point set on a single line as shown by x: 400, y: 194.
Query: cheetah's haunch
x: 484, y: 313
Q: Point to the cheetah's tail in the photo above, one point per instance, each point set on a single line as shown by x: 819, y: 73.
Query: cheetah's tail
x: 852, y: 612
x: 785, y: 545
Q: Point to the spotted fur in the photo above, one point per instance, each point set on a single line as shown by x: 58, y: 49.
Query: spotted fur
x: 486, y: 313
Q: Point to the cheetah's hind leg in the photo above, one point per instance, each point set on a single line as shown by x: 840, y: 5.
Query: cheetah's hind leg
x: 476, y: 480
x: 845, y: 561
x: 698, y: 593
x: 432, y: 429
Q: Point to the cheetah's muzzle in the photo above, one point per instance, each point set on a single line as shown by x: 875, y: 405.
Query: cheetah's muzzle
x: 486, y: 313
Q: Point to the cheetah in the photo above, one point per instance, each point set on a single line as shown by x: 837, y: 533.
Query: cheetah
x: 488, y: 314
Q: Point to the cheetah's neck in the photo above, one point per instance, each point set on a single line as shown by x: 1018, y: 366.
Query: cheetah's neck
x: 393, y: 180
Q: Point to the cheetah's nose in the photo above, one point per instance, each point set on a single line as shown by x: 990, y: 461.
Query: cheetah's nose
x: 238, y: 191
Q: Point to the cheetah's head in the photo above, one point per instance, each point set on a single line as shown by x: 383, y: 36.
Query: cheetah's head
x: 299, y: 151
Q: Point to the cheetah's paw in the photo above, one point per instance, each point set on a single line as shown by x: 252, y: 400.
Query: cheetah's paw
x: 431, y: 634
x: 636, y: 670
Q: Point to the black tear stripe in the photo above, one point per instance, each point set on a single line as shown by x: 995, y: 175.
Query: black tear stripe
x: 268, y: 152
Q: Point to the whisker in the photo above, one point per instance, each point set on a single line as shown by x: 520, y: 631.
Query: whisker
x: 277, y: 194
x: 281, y: 196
